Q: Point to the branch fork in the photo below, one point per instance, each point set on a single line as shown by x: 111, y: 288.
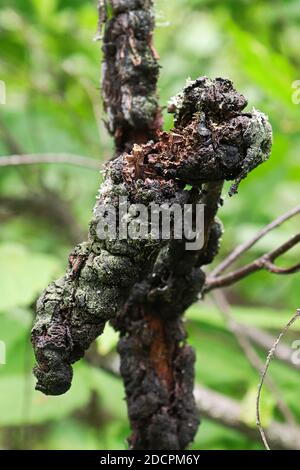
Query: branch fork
x: 144, y: 287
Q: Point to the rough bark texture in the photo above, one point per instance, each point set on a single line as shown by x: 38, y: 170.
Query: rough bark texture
x: 144, y: 286
x: 213, y: 140
x: 155, y: 280
x: 130, y: 72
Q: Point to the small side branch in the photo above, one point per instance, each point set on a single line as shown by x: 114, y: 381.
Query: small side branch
x: 32, y: 159
x: 264, y: 262
x: 241, y: 249
x: 252, y: 356
x: 264, y: 374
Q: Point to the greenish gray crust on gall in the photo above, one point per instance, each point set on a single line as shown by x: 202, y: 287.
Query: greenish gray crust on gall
x: 213, y: 140
x: 144, y: 286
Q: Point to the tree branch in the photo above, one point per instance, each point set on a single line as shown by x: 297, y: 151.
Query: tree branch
x: 241, y: 249
x: 141, y: 292
x: 265, y: 341
x: 264, y: 375
x: 263, y: 262
x: 144, y: 288
x: 252, y: 355
x: 32, y: 159
x: 45, y: 203
x: 130, y: 72
x: 228, y: 412
x: 217, y: 407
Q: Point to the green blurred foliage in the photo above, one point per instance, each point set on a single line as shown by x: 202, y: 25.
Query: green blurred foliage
x: 51, y: 67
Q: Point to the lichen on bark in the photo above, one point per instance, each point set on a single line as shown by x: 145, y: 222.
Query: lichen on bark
x: 213, y: 139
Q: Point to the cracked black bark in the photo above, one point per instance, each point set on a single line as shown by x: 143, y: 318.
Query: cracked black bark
x: 144, y: 286
x: 130, y: 72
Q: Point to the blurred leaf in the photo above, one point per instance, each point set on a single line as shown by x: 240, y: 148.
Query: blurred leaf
x: 70, y: 434
x: 214, y: 436
x: 15, y: 332
x: 23, y: 275
x: 33, y: 407
x: 248, y: 407
x: 256, y: 58
x: 220, y: 363
x: 46, y: 8
x: 108, y: 340
x: 266, y: 318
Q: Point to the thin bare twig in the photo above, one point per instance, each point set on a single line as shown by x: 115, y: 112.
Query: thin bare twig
x: 251, y: 354
x: 241, y: 249
x: 263, y: 262
x: 32, y: 159
x: 224, y: 410
x: 263, y: 377
x: 265, y: 341
x: 14, y: 148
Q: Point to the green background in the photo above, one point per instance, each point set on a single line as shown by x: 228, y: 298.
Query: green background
x: 51, y: 67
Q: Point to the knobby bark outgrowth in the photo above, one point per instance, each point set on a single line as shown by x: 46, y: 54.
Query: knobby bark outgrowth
x: 143, y: 285
x: 130, y: 71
